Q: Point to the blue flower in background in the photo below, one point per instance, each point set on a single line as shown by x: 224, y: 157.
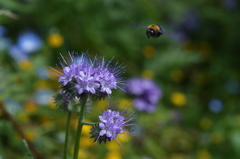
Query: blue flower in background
x: 43, y: 96
x: 29, y: 42
x: 11, y: 105
x: 4, y: 43
x: 233, y: 87
x: 16, y: 53
x: 146, y: 93
x: 3, y: 30
x: 216, y: 105
x: 42, y: 72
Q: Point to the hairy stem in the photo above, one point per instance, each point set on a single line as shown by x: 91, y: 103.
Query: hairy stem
x: 67, y: 135
x: 79, y: 128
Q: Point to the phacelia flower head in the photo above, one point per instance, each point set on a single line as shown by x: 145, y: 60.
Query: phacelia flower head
x: 146, y: 93
x: 80, y: 75
x: 112, y: 123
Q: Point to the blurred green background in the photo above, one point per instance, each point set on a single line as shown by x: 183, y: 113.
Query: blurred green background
x: 195, y: 64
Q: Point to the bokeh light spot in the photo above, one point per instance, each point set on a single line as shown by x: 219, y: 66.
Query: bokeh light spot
x: 149, y: 51
x: 176, y: 75
x: 204, y: 154
x: 148, y: 74
x: 205, y: 123
x: 55, y: 40
x: 178, y: 99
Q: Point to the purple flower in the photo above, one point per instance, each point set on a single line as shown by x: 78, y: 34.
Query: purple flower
x: 142, y: 105
x: 146, y: 93
x: 191, y: 20
x: 229, y: 4
x: 112, y: 124
x: 82, y: 75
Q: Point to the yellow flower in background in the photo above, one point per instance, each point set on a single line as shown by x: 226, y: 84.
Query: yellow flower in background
x: 124, y: 137
x: 205, y: 123
x: 148, y: 74
x: 123, y: 103
x: 82, y: 154
x: 216, y: 137
x: 23, y: 116
x: 176, y: 75
x: 179, y: 99
x: 25, y: 65
x: 204, y: 154
x: 149, y: 51
x: 86, y: 129
x: 41, y: 84
x: 86, y: 142
x: 102, y: 104
x: 113, y: 155
x: 113, y: 146
x: 55, y: 40
x: 30, y: 106
x: 30, y: 135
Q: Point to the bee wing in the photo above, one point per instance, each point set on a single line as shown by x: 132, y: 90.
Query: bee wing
x: 134, y: 25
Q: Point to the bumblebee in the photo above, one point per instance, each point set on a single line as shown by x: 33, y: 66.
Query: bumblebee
x: 154, y: 30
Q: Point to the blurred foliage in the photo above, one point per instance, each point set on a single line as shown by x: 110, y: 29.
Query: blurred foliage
x: 195, y: 62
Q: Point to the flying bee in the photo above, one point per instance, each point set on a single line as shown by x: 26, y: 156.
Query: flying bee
x: 153, y: 30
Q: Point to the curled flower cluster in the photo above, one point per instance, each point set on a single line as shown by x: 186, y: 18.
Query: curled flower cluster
x: 112, y: 123
x: 146, y: 93
x: 80, y: 75
x: 62, y: 99
x: 67, y: 102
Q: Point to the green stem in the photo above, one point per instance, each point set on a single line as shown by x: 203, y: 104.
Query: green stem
x: 67, y: 135
x: 27, y: 149
x: 79, y: 128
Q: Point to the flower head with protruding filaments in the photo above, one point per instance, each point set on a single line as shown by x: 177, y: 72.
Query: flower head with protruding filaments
x: 112, y: 124
x: 80, y: 75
